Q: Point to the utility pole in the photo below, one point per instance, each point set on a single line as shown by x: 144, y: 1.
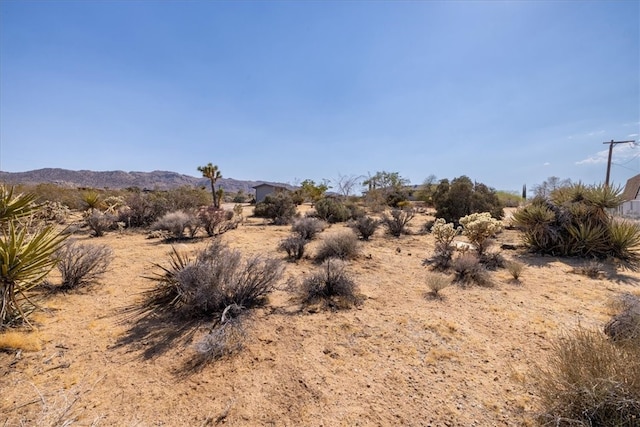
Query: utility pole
x: 611, y: 144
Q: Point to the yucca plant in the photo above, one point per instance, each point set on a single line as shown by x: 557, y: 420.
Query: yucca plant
x: 624, y: 241
x: 25, y: 256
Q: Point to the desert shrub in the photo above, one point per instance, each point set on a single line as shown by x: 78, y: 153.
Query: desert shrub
x: 592, y: 269
x: 492, y: 260
x: 510, y: 199
x: 176, y: 223
x: 436, y: 283
x: 142, y: 209
x: 332, y: 210
x: 588, y: 380
x: 468, y: 270
x: 293, y: 246
x: 80, y: 264
x: 624, y: 326
x: 515, y: 268
x: 186, y: 198
x: 99, y: 222
x: 343, y: 245
x: 216, y: 221
x: 443, y: 233
x: 53, y: 212
x: 215, y: 279
x: 396, y: 224
x: 355, y: 211
x: 278, y: 207
x: 463, y: 197
x: 479, y: 228
x: 365, y: 226
x: 575, y: 221
x: 307, y: 228
x: 427, y: 226
x: 25, y: 255
x: 330, y: 284
x: 226, y: 339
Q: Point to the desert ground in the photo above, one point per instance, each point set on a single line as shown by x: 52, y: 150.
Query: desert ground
x: 400, y: 358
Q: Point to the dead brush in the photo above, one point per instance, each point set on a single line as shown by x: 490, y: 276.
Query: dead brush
x: 330, y: 285
x: 80, y: 264
x: 343, y: 245
x: 592, y: 269
x: 468, y: 271
x: 515, y: 268
x: 589, y: 380
x: 624, y: 326
x: 436, y: 283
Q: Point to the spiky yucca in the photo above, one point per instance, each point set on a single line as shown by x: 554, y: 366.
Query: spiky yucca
x: 25, y: 255
x: 575, y: 221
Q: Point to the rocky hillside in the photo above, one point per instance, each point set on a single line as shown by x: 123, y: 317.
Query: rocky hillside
x: 160, y: 180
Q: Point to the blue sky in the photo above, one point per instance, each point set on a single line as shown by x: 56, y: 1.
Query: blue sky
x: 506, y: 93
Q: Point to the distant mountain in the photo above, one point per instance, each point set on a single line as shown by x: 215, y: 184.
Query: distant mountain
x: 156, y: 180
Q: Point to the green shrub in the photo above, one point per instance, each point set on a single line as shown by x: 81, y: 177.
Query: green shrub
x: 332, y: 210
x: 80, y: 264
x: 396, y: 224
x: 463, y: 197
x: 574, y: 221
x: 589, y: 380
x: 26, y: 255
x: 365, y: 227
x: 343, y: 245
x: 330, y: 284
x: 278, y: 207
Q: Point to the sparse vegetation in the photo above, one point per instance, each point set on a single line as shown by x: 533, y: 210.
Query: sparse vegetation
x: 588, y: 380
x: 293, y: 246
x: 80, y: 264
x: 177, y: 223
x: 479, y: 228
x: 330, y: 284
x: 515, y: 268
x: 278, y: 207
x: 468, y: 270
x: 436, y: 283
x: 396, y: 224
x: 307, y: 228
x: 343, y: 245
x: 99, y: 222
x: 365, y: 226
x: 624, y: 326
x: 444, y: 233
x: 216, y: 221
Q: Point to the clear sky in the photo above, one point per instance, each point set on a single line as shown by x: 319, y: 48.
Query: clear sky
x: 506, y: 93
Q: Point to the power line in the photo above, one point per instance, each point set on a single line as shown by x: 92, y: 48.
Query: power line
x: 611, y: 144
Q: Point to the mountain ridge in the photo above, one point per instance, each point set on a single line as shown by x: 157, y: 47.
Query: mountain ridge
x: 118, y: 179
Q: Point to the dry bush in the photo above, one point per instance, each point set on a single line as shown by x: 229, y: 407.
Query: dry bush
x: 515, y: 268
x: 588, y: 380
x: 343, y: 245
x: 365, y: 226
x: 226, y: 339
x: 217, y: 278
x: 176, y: 223
x: 591, y: 269
x: 436, y: 283
x: 293, y: 246
x: 397, y: 223
x: 99, y: 222
x: 80, y: 264
x: 468, y: 270
x: 216, y: 221
x: 492, y: 260
x: 307, y: 228
x: 330, y: 284
x: 624, y: 326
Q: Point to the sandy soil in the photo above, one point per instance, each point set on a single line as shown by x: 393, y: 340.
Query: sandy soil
x: 401, y: 358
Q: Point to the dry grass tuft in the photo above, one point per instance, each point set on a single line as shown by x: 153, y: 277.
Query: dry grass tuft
x: 19, y: 340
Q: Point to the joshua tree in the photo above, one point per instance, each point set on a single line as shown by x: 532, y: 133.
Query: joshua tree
x: 213, y: 173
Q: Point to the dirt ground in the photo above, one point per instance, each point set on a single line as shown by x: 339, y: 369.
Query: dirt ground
x: 401, y: 358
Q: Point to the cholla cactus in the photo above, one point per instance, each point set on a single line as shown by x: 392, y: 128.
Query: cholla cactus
x: 444, y: 232
x: 479, y: 227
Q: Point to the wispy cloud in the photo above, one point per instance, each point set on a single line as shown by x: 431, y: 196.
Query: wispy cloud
x: 587, y: 134
x: 620, y: 154
x: 546, y: 164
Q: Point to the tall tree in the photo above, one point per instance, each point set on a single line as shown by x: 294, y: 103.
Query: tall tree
x: 213, y: 173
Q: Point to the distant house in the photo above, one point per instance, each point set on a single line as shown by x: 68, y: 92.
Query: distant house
x: 263, y: 190
x: 631, y: 195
